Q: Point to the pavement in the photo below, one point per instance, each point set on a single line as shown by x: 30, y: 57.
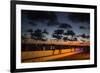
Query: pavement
x: 53, y: 57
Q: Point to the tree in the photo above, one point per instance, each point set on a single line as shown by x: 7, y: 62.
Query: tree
x: 83, y: 36
x: 30, y: 31
x: 65, y: 38
x: 23, y: 36
x: 70, y: 32
x: 75, y: 39
x: 82, y: 27
x: 58, y: 34
x: 45, y: 32
x: 38, y: 34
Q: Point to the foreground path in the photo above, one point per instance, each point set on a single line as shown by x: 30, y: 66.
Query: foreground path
x: 78, y: 56
x: 53, y: 57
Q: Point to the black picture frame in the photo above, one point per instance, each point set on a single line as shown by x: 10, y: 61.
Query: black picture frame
x: 13, y: 35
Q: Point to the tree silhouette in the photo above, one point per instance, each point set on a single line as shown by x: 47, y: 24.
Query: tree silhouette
x: 70, y: 32
x: 23, y: 36
x: 38, y: 34
x: 85, y: 36
x: 82, y: 27
x: 30, y: 31
x: 58, y: 34
x: 45, y: 32
x: 65, y: 38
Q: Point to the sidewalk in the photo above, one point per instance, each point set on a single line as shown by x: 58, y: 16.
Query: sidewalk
x: 53, y: 57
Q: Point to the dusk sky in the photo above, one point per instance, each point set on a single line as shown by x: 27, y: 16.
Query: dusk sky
x: 50, y: 21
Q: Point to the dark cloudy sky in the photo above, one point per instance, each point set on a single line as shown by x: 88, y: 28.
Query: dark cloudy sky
x: 78, y: 22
